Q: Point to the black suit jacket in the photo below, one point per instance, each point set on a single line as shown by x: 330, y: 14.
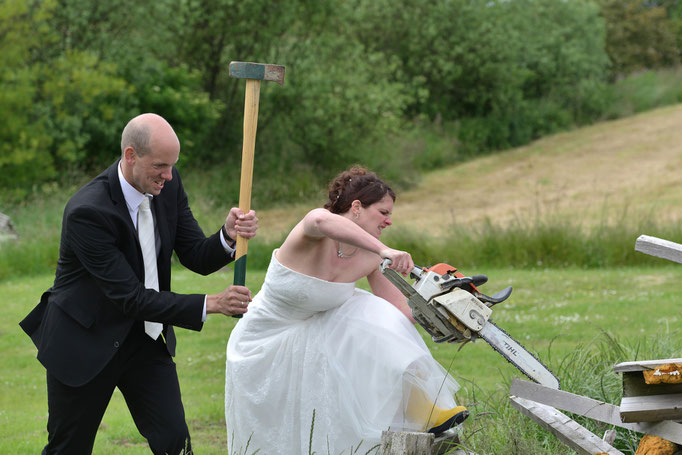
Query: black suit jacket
x: 98, y: 292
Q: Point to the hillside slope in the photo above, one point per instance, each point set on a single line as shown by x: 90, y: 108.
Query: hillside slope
x: 629, y: 167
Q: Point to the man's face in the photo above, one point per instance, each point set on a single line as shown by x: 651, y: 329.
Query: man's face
x: 151, y: 171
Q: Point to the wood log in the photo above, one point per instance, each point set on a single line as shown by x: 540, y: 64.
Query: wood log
x: 406, y: 443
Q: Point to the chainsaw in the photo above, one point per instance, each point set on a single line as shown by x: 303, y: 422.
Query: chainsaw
x: 449, y: 306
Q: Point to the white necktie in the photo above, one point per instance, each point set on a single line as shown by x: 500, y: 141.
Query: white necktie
x: 145, y: 232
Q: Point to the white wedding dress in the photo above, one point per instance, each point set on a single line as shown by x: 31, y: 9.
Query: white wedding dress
x: 309, y: 347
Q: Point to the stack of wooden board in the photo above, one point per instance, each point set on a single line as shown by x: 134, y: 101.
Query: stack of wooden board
x: 652, y: 390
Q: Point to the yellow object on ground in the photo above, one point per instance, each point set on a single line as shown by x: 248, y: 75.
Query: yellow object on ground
x: 653, y: 445
x: 670, y: 373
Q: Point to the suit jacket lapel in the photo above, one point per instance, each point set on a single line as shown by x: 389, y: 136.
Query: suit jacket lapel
x: 118, y: 199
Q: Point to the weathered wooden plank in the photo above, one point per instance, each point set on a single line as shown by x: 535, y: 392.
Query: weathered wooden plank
x: 577, y: 404
x: 660, y: 248
x: 641, y: 365
x: 651, y: 408
x: 565, y: 429
x: 406, y: 443
x: 593, y: 409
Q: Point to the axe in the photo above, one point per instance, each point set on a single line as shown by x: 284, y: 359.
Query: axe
x: 253, y: 73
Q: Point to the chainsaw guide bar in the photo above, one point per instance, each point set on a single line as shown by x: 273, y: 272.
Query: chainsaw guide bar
x: 451, y: 309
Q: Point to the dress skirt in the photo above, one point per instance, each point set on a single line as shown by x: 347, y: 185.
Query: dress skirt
x: 319, y: 366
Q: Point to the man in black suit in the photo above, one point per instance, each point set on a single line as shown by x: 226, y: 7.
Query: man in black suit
x: 91, y: 327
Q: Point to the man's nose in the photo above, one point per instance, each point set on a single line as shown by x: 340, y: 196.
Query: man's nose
x: 167, y: 174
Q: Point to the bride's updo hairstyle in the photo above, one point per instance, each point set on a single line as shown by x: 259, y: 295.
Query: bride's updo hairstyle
x: 356, y: 183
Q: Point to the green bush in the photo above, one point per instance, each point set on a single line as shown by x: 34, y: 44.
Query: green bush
x: 644, y: 90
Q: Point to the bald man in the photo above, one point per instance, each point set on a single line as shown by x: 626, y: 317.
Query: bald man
x: 94, y: 327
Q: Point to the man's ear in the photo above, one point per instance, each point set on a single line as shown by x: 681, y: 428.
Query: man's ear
x: 129, y: 155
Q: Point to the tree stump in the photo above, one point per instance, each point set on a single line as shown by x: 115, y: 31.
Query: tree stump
x: 406, y: 443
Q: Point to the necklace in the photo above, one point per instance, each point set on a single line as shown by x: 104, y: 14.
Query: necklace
x: 340, y: 254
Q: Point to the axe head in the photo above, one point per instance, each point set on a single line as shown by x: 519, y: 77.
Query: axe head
x: 259, y: 71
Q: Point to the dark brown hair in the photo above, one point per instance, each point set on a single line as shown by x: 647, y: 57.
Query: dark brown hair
x: 356, y: 183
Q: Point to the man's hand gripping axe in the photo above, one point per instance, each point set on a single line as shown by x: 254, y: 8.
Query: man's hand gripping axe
x: 253, y: 73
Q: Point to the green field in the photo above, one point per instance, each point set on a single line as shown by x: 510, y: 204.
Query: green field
x: 562, y: 215
x: 555, y: 313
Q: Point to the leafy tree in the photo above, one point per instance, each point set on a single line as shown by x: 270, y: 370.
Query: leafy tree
x: 211, y: 33
x: 23, y: 134
x: 145, y: 57
x: 337, y: 98
x: 639, y: 35
x: 488, y: 65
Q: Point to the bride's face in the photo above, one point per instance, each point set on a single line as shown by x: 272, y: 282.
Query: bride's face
x: 376, y: 217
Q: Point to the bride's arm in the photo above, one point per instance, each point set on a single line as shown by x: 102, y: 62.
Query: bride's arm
x: 383, y: 288
x: 322, y: 223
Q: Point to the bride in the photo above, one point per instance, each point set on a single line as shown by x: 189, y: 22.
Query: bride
x: 317, y: 365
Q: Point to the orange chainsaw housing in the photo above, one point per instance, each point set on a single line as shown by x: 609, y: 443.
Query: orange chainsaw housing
x: 442, y: 269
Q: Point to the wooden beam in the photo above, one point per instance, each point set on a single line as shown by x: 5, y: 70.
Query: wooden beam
x: 660, y: 248
x: 577, y: 404
x: 642, y: 365
x: 594, y: 409
x: 565, y: 429
x: 651, y: 408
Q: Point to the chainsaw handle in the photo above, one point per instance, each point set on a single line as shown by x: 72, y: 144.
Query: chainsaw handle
x: 415, y: 273
x: 478, y: 280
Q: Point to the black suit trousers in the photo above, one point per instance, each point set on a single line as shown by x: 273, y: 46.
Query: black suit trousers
x: 145, y: 374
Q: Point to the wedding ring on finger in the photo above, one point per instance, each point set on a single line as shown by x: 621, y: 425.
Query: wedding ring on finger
x: 243, y: 304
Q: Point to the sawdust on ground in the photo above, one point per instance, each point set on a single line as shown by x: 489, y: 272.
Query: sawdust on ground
x: 607, y: 172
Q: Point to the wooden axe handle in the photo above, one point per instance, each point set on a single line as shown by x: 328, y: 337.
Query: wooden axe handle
x: 248, y: 147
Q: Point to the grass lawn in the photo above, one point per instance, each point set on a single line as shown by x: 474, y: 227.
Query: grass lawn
x: 552, y: 312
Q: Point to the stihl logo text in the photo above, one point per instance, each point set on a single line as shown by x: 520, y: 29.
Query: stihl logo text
x: 510, y: 348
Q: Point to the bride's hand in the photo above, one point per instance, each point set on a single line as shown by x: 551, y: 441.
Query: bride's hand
x: 401, y: 261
